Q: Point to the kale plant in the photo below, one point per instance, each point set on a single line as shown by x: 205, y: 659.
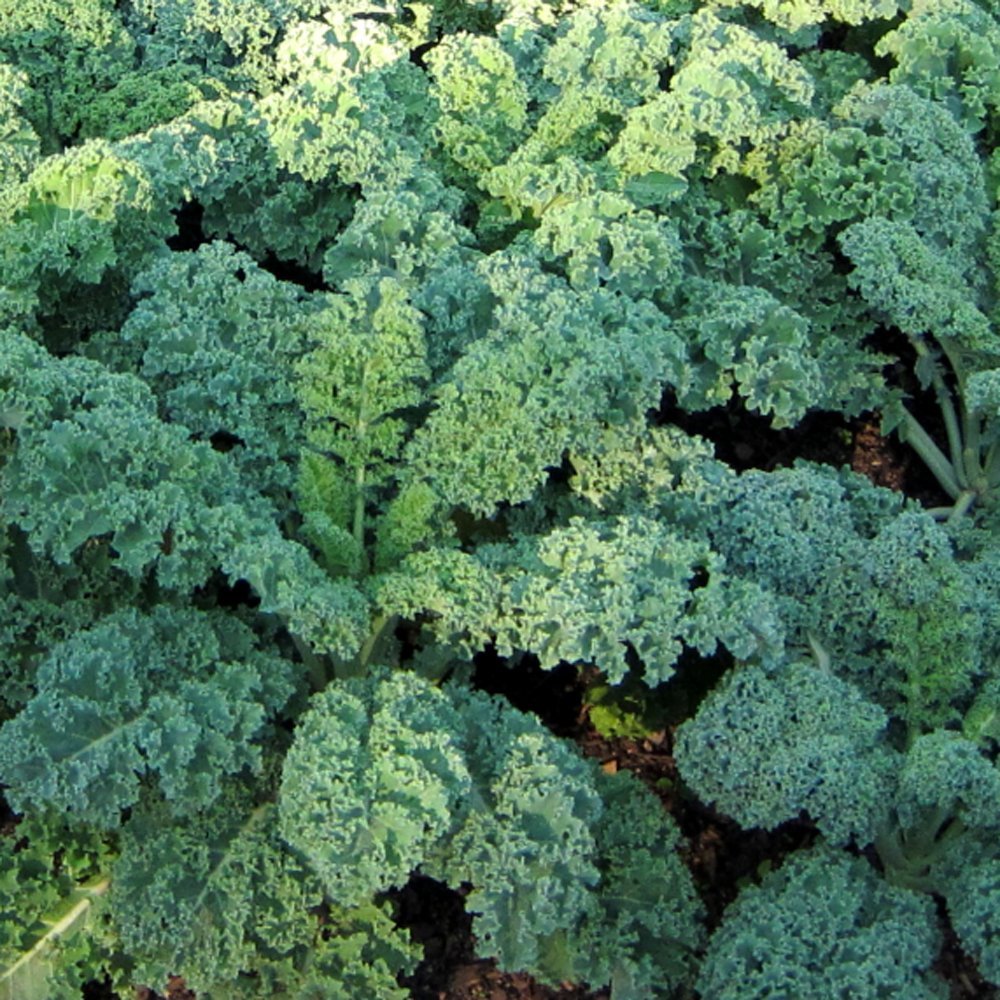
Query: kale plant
x: 342, y: 343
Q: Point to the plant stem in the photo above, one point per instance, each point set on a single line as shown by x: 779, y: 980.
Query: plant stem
x: 933, y: 457
x: 58, y: 928
x: 317, y: 669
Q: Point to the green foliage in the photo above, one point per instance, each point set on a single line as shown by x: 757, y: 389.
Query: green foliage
x: 216, y: 338
x: 876, y: 584
x: 390, y: 774
x: 764, y: 748
x: 177, y: 694
x: 71, y: 53
x: 342, y: 343
x: 355, y: 387
x: 225, y: 899
x: 555, y: 365
x: 948, y: 51
x: 805, y: 926
x: 627, y: 710
x: 78, y: 225
x: 972, y: 891
x: 53, y: 878
x: 378, y: 769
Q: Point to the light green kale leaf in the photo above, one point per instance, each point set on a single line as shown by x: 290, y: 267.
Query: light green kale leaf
x: 71, y: 236
x: 729, y: 87
x: 795, y: 16
x: 365, y: 372
x: 601, y: 241
x: 601, y: 63
x: 350, y: 105
x: 483, y: 102
x: 555, y: 364
x: 588, y: 591
x: 374, y: 778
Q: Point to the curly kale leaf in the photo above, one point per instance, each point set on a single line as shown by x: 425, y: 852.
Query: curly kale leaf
x: 554, y: 364
x: 765, y: 746
x: 43, y: 603
x: 178, y: 696
x: 949, y: 51
x: 929, y: 625
x: 586, y: 592
x: 742, y: 336
x: 601, y: 241
x: 811, y: 330
x: 600, y: 64
x: 793, y: 17
x: 350, y: 105
x: 20, y: 147
x: 373, y: 779
x: 642, y: 932
x: 406, y: 230
x: 634, y: 468
x: 824, y: 925
x: 942, y: 166
x: 231, y: 40
x: 331, y: 616
x: 216, y: 338
x: 366, y: 371
x: 457, y: 594
x: 876, y: 584
x: 582, y: 592
x: 945, y: 787
x: 969, y: 880
x: 71, y: 236
x: 390, y: 774
x: 71, y: 52
x: 822, y: 175
x: 730, y: 87
x: 525, y: 839
x: 222, y: 898
x: 553, y: 851
x: 909, y: 283
x: 77, y: 475
x: 483, y: 102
